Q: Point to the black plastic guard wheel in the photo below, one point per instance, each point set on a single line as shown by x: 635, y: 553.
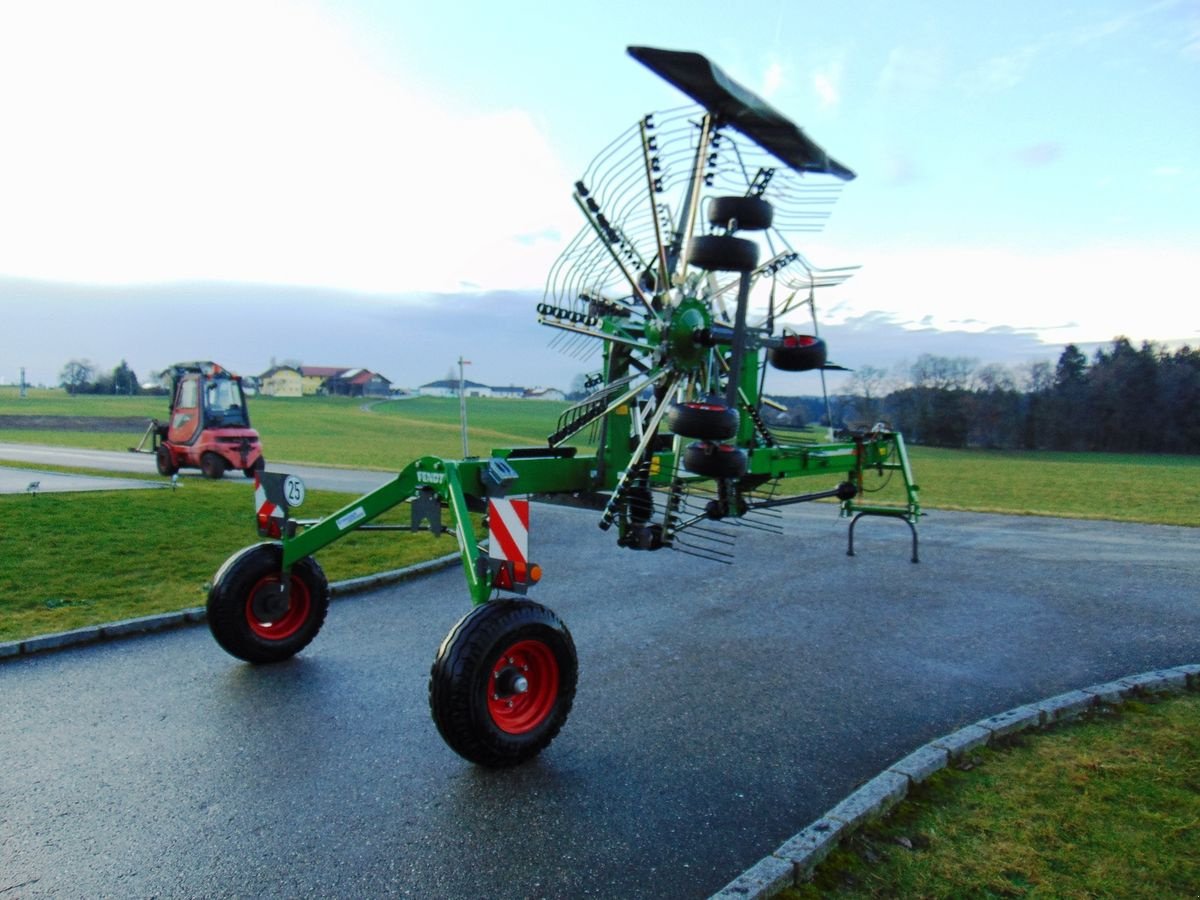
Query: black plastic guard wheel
x: 247, y: 614
x: 747, y: 213
x: 798, y: 353
x: 722, y: 253
x: 705, y: 421
x: 503, y: 682
x: 715, y: 460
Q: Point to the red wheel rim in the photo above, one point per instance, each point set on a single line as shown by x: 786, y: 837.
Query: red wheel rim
x: 532, y: 664
x: 277, y: 624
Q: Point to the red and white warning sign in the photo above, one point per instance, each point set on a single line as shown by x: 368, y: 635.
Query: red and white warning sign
x: 266, y: 510
x: 508, y: 534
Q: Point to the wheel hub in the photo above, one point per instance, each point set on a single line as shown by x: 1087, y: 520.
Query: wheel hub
x: 509, y: 681
x: 269, y: 603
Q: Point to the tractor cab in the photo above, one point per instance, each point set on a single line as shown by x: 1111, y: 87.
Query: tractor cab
x: 208, y: 426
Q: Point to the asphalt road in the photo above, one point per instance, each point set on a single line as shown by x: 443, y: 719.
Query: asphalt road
x: 326, y: 478
x: 720, y: 710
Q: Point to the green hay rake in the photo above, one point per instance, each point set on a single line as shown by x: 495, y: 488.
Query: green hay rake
x: 681, y: 277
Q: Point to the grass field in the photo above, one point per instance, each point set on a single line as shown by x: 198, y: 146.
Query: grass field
x: 1108, y: 807
x: 136, y: 553
x: 326, y: 430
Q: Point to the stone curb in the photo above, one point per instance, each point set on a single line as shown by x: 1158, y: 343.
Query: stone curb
x: 145, y: 624
x: 793, y: 862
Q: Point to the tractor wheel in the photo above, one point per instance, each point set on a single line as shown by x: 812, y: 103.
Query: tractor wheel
x: 799, y: 353
x: 748, y: 213
x: 247, y: 614
x: 503, y: 682
x: 259, y: 465
x: 165, y: 462
x: 722, y: 253
x: 213, y: 465
x: 704, y: 421
x: 715, y: 460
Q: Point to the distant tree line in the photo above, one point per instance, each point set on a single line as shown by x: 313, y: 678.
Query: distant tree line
x: 1124, y: 399
x: 80, y: 376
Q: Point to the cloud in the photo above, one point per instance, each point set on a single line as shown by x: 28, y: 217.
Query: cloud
x: 772, y: 79
x: 826, y: 85
x: 255, y: 141
x: 1002, y: 73
x: 911, y: 70
x: 1085, y: 294
x: 1036, y: 155
x: 901, y: 170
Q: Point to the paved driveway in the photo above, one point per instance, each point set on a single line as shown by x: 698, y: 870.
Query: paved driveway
x: 719, y: 711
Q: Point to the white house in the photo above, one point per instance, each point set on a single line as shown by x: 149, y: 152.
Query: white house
x: 449, y: 388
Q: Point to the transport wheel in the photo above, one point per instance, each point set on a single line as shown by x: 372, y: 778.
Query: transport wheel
x: 799, y: 353
x: 722, y: 253
x: 749, y: 213
x: 164, y: 461
x: 248, y: 615
x: 503, y: 682
x: 259, y: 465
x: 213, y: 465
x: 715, y: 460
x: 706, y: 421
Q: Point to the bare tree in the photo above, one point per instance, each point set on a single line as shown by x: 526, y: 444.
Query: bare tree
x: 77, y: 374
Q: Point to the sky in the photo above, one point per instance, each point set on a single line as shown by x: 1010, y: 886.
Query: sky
x: 385, y: 183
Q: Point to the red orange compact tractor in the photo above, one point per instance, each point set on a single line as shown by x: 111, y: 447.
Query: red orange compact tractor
x: 208, y: 426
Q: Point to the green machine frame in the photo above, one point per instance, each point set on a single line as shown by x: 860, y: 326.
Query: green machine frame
x: 666, y: 280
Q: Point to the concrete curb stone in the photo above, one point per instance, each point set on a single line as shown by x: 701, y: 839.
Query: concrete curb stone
x: 871, y: 800
x: 922, y: 763
x: 961, y: 742
x: 144, y: 624
x: 1066, y: 706
x: 808, y: 848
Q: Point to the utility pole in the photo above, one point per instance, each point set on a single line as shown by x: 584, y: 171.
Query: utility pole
x: 462, y: 404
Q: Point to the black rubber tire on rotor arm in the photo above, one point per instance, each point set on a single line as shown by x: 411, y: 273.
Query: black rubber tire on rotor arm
x: 799, y: 353
x: 496, y: 643
x: 722, y: 253
x: 164, y: 462
x: 213, y: 465
x: 238, y: 615
x: 259, y: 465
x: 748, y: 213
x: 703, y: 421
x: 715, y: 460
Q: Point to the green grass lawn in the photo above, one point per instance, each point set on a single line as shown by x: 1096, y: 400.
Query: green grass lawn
x: 326, y: 430
x: 70, y: 560
x: 1108, y: 807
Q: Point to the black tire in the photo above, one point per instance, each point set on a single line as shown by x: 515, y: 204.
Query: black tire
x: 704, y: 421
x: 165, y: 462
x: 475, y: 691
x: 213, y: 465
x: 239, y: 613
x: 715, y: 460
x: 748, y: 213
x: 798, y: 353
x: 259, y: 465
x: 722, y: 253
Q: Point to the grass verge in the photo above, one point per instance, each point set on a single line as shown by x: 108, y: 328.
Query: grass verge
x: 1105, y: 807
x: 72, y: 560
